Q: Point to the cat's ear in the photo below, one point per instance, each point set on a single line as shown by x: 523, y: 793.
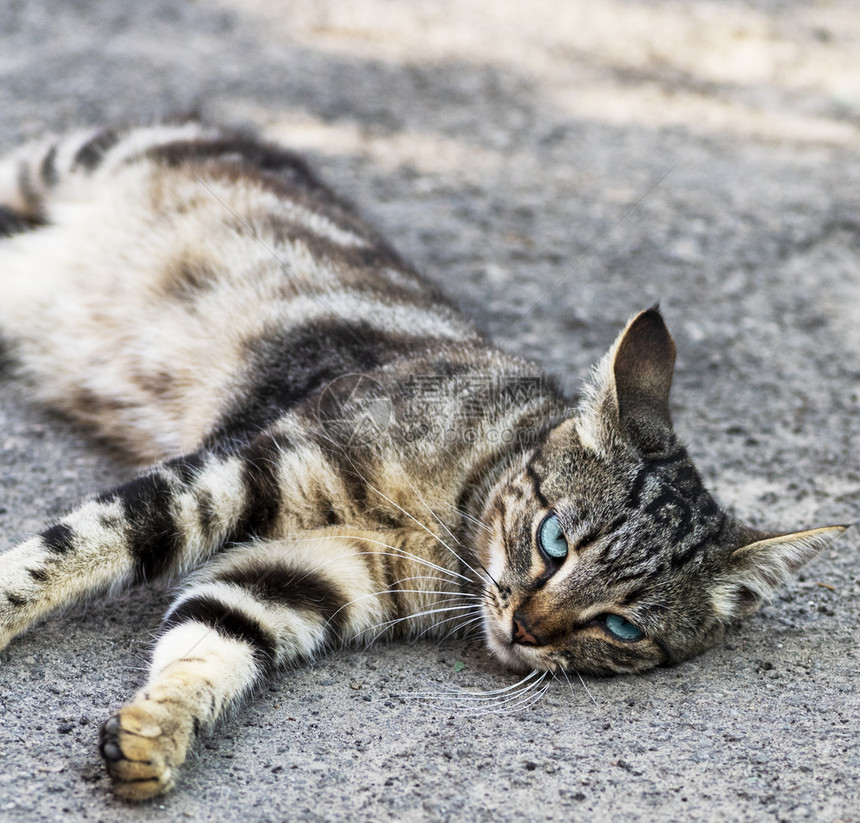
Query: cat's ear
x: 757, y: 569
x: 643, y: 366
x: 629, y: 392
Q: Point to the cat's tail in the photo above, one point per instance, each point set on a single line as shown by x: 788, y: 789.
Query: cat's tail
x: 33, y: 177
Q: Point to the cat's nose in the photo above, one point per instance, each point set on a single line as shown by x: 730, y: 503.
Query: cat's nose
x: 520, y: 632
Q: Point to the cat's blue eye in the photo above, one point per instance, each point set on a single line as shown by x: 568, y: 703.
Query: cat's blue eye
x: 621, y: 628
x: 551, y: 538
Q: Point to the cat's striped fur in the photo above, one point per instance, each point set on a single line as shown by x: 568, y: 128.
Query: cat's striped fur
x: 344, y: 456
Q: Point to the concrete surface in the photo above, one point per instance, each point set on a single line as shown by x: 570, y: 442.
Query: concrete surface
x: 701, y: 153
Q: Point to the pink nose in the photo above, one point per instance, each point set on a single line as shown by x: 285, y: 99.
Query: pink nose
x: 520, y: 633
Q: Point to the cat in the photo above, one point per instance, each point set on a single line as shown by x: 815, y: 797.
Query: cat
x: 334, y: 453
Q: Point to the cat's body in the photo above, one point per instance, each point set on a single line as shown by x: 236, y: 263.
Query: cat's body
x: 346, y: 457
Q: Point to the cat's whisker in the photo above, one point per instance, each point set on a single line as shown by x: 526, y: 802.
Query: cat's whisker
x: 400, y: 552
x: 530, y: 701
x: 442, y: 524
x: 515, y: 698
x: 534, y: 673
x: 383, y: 627
x: 409, y: 556
x: 435, y: 625
x: 439, y: 597
x: 474, y: 520
x: 435, y: 594
x: 584, y: 686
x: 436, y: 537
x: 563, y: 670
x: 482, y: 694
x: 425, y: 612
x: 462, y: 627
x: 529, y: 694
x: 430, y: 532
x: 430, y: 510
x: 417, y: 522
x: 520, y: 701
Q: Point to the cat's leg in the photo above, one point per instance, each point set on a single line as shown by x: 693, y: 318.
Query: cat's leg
x: 166, y: 522
x: 252, y: 611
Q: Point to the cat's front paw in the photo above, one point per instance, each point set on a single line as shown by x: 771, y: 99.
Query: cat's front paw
x: 143, y: 748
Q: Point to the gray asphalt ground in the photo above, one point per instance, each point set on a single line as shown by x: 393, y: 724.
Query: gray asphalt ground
x: 699, y: 153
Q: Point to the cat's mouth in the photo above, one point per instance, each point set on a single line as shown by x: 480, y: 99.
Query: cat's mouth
x: 514, y: 655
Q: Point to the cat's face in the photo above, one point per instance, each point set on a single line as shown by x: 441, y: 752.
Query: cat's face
x: 604, y: 563
x: 606, y: 552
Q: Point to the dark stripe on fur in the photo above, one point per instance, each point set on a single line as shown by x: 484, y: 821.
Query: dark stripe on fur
x: 515, y: 536
x: 635, y: 574
x: 668, y: 505
x: 16, y: 600
x: 12, y: 223
x: 535, y: 481
x: 262, y: 503
x: 670, y: 509
x: 91, y: 153
x: 28, y: 191
x: 228, y: 622
x: 482, y: 477
x: 298, y: 589
x: 635, y: 493
x: 588, y: 538
x: 39, y: 575
x: 152, y: 536
x: 670, y: 459
x: 608, y: 551
x: 353, y: 470
x: 58, y: 539
x: 264, y: 156
x: 242, y: 157
x: 686, y: 480
x: 48, y: 169
x: 369, y: 258
x: 188, y: 279
x: 682, y: 558
x: 610, y: 532
x: 634, y: 595
x: 206, y: 512
x: 708, y: 509
x: 287, y: 366
x: 657, y: 573
x: 188, y: 468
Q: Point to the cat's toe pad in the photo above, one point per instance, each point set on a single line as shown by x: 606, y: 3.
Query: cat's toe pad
x: 141, y: 758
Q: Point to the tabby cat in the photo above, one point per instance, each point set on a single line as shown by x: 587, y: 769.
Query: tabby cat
x: 336, y: 454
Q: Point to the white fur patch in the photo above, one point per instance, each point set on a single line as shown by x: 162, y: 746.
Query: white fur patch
x: 228, y: 663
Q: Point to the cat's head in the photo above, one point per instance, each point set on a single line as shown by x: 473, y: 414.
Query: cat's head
x: 607, y: 552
